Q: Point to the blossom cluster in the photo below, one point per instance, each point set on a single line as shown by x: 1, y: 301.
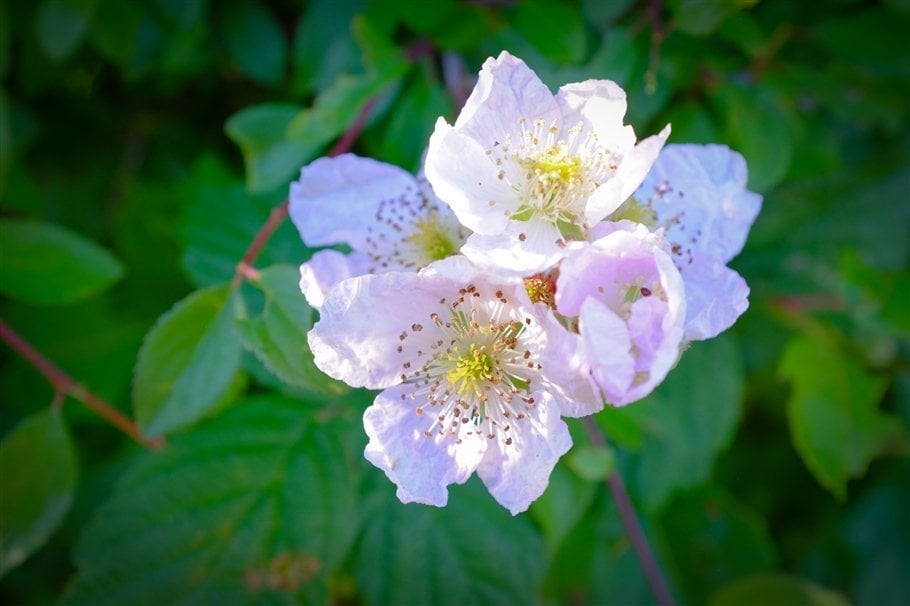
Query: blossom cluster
x: 545, y: 263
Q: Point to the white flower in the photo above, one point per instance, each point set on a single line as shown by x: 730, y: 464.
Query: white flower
x: 528, y: 171
x: 630, y: 302
x: 390, y: 220
x: 471, y: 373
x: 697, y: 195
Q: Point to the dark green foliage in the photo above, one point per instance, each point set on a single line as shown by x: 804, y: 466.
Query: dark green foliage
x: 143, y: 145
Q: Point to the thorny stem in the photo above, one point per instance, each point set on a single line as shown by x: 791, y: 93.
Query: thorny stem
x: 632, y: 525
x: 64, y: 385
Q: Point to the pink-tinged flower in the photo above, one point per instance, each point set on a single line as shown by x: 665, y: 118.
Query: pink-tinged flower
x: 390, y: 221
x: 630, y: 303
x: 472, y: 376
x: 697, y: 194
x: 528, y: 171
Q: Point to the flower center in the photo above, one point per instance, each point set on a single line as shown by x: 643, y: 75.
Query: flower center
x: 473, y: 366
x: 553, y: 176
x: 431, y: 239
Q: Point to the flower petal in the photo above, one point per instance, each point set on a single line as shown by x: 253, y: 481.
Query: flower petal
x: 421, y: 466
x: 336, y: 199
x: 517, y: 474
x: 715, y: 297
x: 608, y: 346
x: 601, y: 106
x: 327, y: 268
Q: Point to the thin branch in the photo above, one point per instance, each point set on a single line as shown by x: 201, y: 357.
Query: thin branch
x: 64, y: 384
x: 653, y: 573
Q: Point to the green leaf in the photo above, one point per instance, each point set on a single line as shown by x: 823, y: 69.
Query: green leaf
x: 702, y: 17
x: 412, y: 120
x: 278, y: 336
x: 713, y: 540
x: 38, y: 467
x: 469, y: 552
x: 187, y: 362
x: 592, y: 464
x: 777, y: 589
x: 255, y: 506
x: 271, y: 159
x: 324, y: 45
x: 255, y: 41
x: 49, y: 265
x: 563, y: 504
x: 687, y: 421
x: 61, y: 26
x: 833, y: 412
x: 220, y: 219
x: 116, y: 34
x: 554, y: 28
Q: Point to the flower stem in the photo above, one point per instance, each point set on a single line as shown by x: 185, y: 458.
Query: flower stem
x: 653, y: 573
x: 64, y: 385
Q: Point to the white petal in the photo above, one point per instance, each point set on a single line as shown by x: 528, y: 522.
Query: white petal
x: 608, y: 347
x: 628, y: 177
x: 336, y: 199
x: 715, y: 297
x: 361, y: 323
x: 524, y: 248
x: 518, y: 473
x: 601, y: 106
x: 327, y: 268
x: 568, y: 372
x: 421, y: 466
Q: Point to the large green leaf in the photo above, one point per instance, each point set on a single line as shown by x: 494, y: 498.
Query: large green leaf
x: 61, y: 26
x: 50, y: 265
x: 220, y: 219
x: 255, y: 506
x: 833, y: 412
x: 38, y: 468
x: 687, y: 421
x: 187, y: 362
x: 777, y: 589
x: 713, y: 540
x: 278, y: 335
x: 469, y: 552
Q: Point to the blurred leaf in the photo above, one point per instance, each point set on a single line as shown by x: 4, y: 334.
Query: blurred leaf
x: 220, y: 219
x: 5, y: 43
x: 271, y: 159
x: 187, y: 362
x: 61, y: 26
x: 777, y: 589
x: 554, y: 28
x: 411, y: 122
x: 701, y: 17
x: 324, y: 45
x: 255, y: 506
x: 562, y: 505
x: 833, y: 412
x: 255, y: 41
x: 592, y: 464
x: 469, y: 552
x: 758, y: 125
x: 49, y: 265
x: 38, y: 467
x: 688, y: 421
x: 602, y: 14
x: 713, y: 540
x: 278, y: 336
x: 116, y: 31
x: 872, y: 36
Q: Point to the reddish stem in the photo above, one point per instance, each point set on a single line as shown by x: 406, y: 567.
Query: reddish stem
x: 64, y: 384
x: 632, y: 525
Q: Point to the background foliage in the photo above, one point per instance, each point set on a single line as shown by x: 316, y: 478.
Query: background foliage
x: 143, y: 144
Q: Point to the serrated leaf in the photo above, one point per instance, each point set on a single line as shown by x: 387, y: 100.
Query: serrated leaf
x: 61, y: 26
x: 255, y: 41
x: 255, y: 506
x: 270, y: 158
x: 687, y: 421
x: 778, y: 589
x: 833, y: 412
x: 221, y: 218
x: 38, y: 467
x: 278, y: 336
x: 187, y: 362
x: 49, y: 265
x: 713, y: 540
x: 469, y: 552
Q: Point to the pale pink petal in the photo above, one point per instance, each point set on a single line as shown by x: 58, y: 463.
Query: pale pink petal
x: 327, y: 268
x: 421, y: 466
x: 715, y: 297
x: 522, y: 248
x: 609, y: 348
x: 601, y: 105
x: 516, y: 474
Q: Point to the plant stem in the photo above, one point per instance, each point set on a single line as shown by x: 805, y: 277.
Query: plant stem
x: 64, y: 384
x: 653, y: 573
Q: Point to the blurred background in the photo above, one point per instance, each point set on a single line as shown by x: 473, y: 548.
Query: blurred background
x: 143, y: 145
